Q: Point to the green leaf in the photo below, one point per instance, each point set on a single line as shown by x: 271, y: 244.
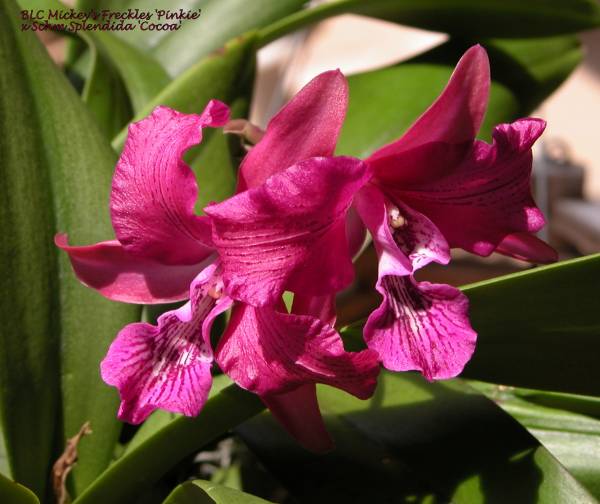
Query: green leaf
x: 524, y: 73
x: 534, y: 68
x: 463, y: 18
x: 56, y: 170
x: 205, y: 492
x: 160, y: 418
x: 223, y: 76
x: 416, y: 441
x: 574, y: 439
x: 143, y: 466
x: 105, y: 95
x: 13, y: 493
x: 220, y: 21
x: 539, y: 328
x: 4, y: 465
x: 584, y: 405
x: 141, y: 74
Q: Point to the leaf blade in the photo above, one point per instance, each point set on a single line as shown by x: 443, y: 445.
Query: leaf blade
x: 56, y: 174
x: 200, y: 492
x: 150, y: 459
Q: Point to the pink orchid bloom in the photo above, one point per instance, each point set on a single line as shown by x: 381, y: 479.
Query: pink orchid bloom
x: 164, y: 253
x: 436, y: 187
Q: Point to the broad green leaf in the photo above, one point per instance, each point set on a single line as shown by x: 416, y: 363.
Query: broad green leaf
x: 160, y: 418
x: 583, y: 405
x: 223, y: 76
x: 524, y: 73
x: 105, y: 95
x: 13, y: 493
x: 143, y: 466
x: 534, y: 68
x: 416, y: 441
x: 463, y: 18
x: 141, y: 74
x: 539, y: 328
x: 220, y: 21
x: 574, y: 439
x: 205, y: 492
x: 56, y: 171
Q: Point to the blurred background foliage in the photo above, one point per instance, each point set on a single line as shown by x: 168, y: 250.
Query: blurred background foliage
x: 522, y: 425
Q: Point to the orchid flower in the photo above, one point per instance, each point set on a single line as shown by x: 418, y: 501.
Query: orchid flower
x: 434, y: 188
x: 438, y: 187
x: 164, y: 253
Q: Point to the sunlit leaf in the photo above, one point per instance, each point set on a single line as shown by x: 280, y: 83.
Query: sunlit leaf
x: 13, y: 493
x: 573, y: 438
x: 539, y: 328
x: 205, y: 492
x: 416, y: 441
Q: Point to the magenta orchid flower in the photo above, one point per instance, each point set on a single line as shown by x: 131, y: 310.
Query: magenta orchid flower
x: 298, y: 217
x: 434, y: 188
x: 164, y: 252
x: 438, y: 187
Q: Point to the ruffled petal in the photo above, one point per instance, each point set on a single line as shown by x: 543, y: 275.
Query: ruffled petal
x: 289, y: 233
x: 421, y: 326
x: 119, y: 276
x: 298, y: 412
x: 405, y: 239
x: 154, y: 191
x: 487, y: 196
x: 268, y: 352
x: 167, y: 366
x: 308, y: 126
x: 527, y: 247
x: 443, y: 134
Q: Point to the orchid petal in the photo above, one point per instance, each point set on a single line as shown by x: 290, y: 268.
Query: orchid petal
x: 405, y: 239
x: 298, y: 412
x: 322, y: 307
x: 308, y: 126
x: 268, y: 352
x: 527, y: 247
x: 289, y: 233
x: 154, y: 191
x: 421, y: 326
x: 167, y: 366
x: 119, y: 276
x: 447, y: 127
x: 487, y: 196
